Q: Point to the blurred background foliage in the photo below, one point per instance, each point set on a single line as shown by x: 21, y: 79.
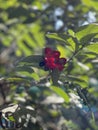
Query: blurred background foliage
x: 28, y: 26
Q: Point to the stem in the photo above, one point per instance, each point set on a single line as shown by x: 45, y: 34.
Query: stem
x: 74, y: 54
x: 2, y: 91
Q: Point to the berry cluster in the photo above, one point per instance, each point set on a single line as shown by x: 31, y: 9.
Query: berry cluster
x: 52, y: 60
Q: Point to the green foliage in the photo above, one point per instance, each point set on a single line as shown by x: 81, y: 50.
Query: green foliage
x: 20, y: 89
x: 91, y: 3
x: 61, y: 93
x: 61, y: 99
x: 93, y: 48
x: 86, y: 33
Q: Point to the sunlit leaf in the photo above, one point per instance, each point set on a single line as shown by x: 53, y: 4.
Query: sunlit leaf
x: 56, y: 36
x: 61, y: 93
x: 11, y: 118
x: 93, y: 48
x: 35, y: 76
x: 16, y: 80
x: 62, y: 50
x: 64, y: 38
x: 85, y: 33
x: 72, y: 44
x: 23, y: 48
x: 91, y: 3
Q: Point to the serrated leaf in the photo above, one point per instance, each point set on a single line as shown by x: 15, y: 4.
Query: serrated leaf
x: 61, y: 93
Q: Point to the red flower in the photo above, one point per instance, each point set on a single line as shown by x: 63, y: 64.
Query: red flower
x: 52, y: 60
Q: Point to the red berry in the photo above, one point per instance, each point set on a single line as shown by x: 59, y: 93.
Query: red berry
x: 62, y: 61
x: 61, y: 68
x: 52, y: 60
x: 48, y: 50
x: 56, y: 54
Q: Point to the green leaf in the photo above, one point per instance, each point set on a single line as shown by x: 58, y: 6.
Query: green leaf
x: 24, y: 68
x: 72, y: 44
x: 6, y: 40
x: 32, y: 59
x: 91, y: 3
x: 93, y: 48
x: 85, y: 33
x: 35, y: 76
x: 80, y: 80
x: 56, y: 36
x: 24, y: 48
x: 62, y: 50
x: 71, y: 32
x: 61, y: 93
x: 16, y: 79
x: 64, y: 38
x: 29, y: 40
x: 11, y: 118
x: 89, y: 54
